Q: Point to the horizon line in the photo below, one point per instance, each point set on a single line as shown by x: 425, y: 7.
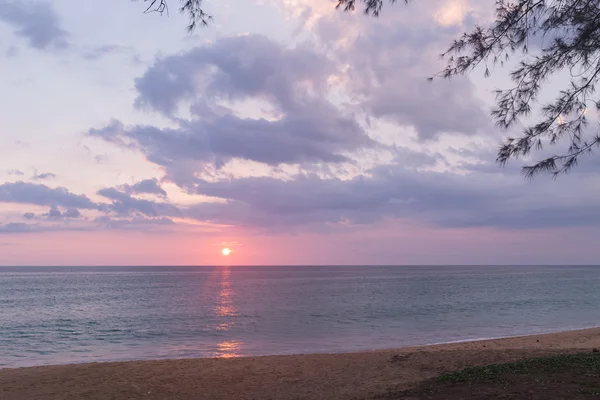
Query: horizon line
x: 294, y: 265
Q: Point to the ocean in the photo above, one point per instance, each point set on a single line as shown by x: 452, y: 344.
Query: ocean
x: 56, y: 315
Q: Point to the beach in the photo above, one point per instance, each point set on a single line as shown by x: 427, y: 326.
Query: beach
x: 361, y: 375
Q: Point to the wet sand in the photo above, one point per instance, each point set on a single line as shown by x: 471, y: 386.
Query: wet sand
x: 313, y: 376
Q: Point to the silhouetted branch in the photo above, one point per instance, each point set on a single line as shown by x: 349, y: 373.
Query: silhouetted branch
x: 193, y: 8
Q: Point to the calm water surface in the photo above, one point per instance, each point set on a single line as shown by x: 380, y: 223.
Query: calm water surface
x: 63, y: 315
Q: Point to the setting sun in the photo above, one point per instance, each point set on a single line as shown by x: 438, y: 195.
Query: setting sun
x: 226, y: 251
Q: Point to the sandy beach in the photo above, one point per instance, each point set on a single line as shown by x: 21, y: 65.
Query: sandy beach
x: 314, y: 376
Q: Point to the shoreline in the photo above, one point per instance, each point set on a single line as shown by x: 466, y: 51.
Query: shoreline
x: 362, y: 374
x: 366, y: 350
x: 505, y: 337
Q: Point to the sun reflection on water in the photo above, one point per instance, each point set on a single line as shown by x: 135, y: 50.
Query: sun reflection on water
x: 228, y: 349
x: 225, y: 306
x: 226, y: 310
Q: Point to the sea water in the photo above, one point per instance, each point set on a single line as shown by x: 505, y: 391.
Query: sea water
x: 53, y: 315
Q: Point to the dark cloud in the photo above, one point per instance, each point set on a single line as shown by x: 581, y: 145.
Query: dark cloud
x: 445, y: 199
x: 305, y: 127
x: 124, y: 212
x: 56, y: 219
x: 316, y: 138
x: 15, y: 172
x: 64, y: 205
x: 35, y: 21
x: 18, y: 227
x: 56, y: 214
x: 124, y: 204
x: 239, y: 67
x: 53, y: 213
x: 148, y: 186
x: 72, y: 213
x: 42, y: 195
x: 43, y: 176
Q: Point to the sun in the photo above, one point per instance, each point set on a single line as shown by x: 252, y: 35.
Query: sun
x: 226, y: 251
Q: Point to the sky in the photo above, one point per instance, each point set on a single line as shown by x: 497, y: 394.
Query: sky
x: 286, y: 130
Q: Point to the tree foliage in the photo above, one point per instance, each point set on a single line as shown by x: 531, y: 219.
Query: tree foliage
x: 565, y: 38
x: 193, y: 8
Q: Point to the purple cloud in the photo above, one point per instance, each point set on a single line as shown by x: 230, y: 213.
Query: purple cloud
x: 239, y: 67
x: 43, y: 176
x: 388, y: 69
x: 53, y: 213
x: 124, y: 204
x: 147, y: 186
x: 492, y: 199
x: 385, y: 72
x: 307, y: 127
x: 37, y: 22
x: 20, y: 227
x: 56, y: 214
x: 64, y: 206
x: 42, y: 195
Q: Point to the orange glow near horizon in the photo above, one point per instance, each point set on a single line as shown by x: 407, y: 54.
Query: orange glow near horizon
x: 226, y: 251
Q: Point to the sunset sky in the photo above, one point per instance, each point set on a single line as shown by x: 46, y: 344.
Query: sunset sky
x: 287, y: 131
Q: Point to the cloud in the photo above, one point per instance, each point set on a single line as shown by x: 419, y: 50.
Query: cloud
x: 288, y: 93
x: 249, y: 66
x: 64, y: 207
x: 299, y: 139
x: 56, y: 219
x: 15, y: 172
x: 388, y: 66
x: 250, y: 98
x: 42, y: 195
x: 124, y: 204
x: 147, y: 186
x: 391, y: 191
x: 43, y: 176
x: 72, y: 213
x: 297, y: 123
x: 35, y: 21
x: 54, y: 214
x: 20, y: 227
